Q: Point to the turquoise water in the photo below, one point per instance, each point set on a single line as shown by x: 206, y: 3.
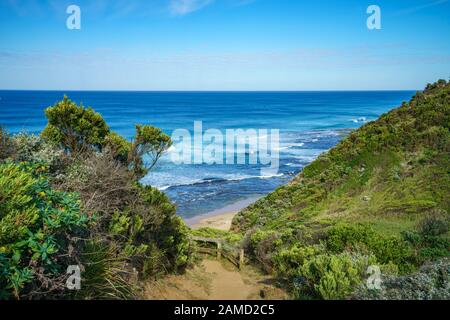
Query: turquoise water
x: 309, y: 123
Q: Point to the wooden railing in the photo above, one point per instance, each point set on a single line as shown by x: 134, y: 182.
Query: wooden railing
x: 221, y: 250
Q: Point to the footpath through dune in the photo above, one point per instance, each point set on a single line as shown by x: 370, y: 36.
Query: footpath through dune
x: 215, y: 280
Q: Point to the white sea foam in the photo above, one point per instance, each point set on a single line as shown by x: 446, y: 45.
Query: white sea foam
x: 225, y: 178
x: 359, y: 120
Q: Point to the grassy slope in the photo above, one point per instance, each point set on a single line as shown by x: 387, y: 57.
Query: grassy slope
x: 389, y: 173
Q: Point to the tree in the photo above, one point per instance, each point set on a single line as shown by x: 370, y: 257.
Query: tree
x: 74, y: 127
x: 119, y: 147
x: 149, y: 141
x: 78, y: 129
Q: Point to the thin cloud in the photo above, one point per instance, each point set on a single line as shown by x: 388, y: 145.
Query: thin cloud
x: 183, y: 7
x: 421, y: 7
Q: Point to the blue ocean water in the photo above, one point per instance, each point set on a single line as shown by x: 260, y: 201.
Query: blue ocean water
x: 309, y: 122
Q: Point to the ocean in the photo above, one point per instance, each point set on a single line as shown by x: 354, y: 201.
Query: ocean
x: 309, y: 123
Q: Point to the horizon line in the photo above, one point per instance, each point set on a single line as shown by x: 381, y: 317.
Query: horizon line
x: 211, y: 91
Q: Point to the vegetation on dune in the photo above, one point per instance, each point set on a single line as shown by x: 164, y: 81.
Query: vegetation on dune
x: 380, y: 197
x: 227, y: 236
x: 38, y: 227
x: 72, y: 196
x: 432, y: 282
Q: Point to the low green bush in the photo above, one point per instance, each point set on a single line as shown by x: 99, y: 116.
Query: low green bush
x: 37, y: 227
x: 387, y: 249
x: 430, y: 240
x: 33, y: 148
x: 333, y: 276
x: 227, y: 236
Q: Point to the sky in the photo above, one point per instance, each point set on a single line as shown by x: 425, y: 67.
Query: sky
x: 206, y: 45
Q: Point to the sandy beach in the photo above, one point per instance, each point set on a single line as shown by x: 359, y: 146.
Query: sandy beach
x: 220, y: 219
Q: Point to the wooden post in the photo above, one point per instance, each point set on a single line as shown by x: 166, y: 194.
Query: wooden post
x: 241, y: 258
x: 219, y: 250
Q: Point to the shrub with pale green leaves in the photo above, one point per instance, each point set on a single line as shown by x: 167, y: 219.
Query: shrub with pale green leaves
x: 431, y: 282
x: 335, y: 276
x: 33, y: 148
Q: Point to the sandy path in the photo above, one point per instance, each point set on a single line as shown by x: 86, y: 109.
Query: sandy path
x: 213, y: 281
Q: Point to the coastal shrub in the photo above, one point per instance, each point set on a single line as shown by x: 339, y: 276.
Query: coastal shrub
x: 6, y: 144
x: 288, y: 261
x: 150, y: 142
x: 155, y: 263
x: 387, y: 249
x: 168, y: 230
x: 105, y: 274
x: 33, y: 148
x: 118, y: 146
x: 78, y: 165
x: 263, y: 246
x: 227, y: 236
x: 104, y: 185
x: 435, y: 225
x: 140, y: 220
x: 315, y: 272
x: 77, y: 130
x: 431, y: 282
x: 74, y: 127
x: 334, y: 276
x: 37, y: 230
x: 430, y: 240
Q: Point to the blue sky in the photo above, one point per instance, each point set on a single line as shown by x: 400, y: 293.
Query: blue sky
x: 223, y: 45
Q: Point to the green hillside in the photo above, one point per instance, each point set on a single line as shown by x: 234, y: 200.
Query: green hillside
x: 381, y: 196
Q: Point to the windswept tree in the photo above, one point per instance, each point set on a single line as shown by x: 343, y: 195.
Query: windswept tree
x: 78, y: 129
x: 151, y: 142
x: 74, y: 127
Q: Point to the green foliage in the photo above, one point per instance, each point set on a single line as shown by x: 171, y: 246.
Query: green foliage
x: 434, y: 226
x: 6, y: 144
x: 371, y: 189
x: 229, y: 237
x: 288, y: 261
x: 103, y: 273
x: 387, y: 249
x: 172, y: 234
x: 33, y: 148
x: 74, y: 127
x: 35, y: 224
x: 129, y: 230
x: 78, y: 129
x: 151, y: 142
x: 335, y: 276
x: 380, y: 159
x: 152, y: 233
x: 119, y: 146
x: 432, y: 282
x: 430, y: 241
